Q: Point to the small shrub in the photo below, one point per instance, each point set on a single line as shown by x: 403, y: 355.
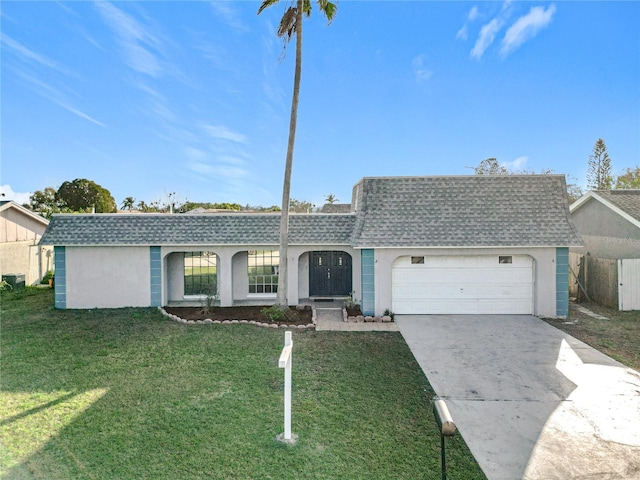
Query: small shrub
x: 351, y: 302
x: 47, y: 277
x: 388, y: 313
x: 278, y: 313
x: 5, y: 286
x: 209, y: 301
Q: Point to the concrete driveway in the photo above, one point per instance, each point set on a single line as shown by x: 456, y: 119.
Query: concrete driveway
x: 530, y: 401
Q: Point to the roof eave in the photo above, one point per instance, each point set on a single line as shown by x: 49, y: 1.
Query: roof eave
x: 593, y: 195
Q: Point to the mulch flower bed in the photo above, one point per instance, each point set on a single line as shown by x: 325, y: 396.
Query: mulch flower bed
x: 249, y: 313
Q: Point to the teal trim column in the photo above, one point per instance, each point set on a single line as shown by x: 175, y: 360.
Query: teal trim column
x: 368, y: 281
x: 562, y: 281
x: 156, y: 276
x: 60, y: 278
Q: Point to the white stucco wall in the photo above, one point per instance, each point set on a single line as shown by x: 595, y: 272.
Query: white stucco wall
x: 544, y: 266
x: 107, y: 277
x: 18, y: 226
x: 26, y: 258
x: 173, y: 266
x: 20, y: 233
x: 605, y: 233
x: 240, y: 276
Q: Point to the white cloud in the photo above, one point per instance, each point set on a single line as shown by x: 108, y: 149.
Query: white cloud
x: 526, y: 27
x: 471, y: 16
x: 54, y: 95
x: 135, y: 40
x: 201, y: 168
x: 217, y: 171
x: 8, y: 194
x: 487, y: 35
x: 420, y: 70
x: 77, y: 112
x: 228, y: 15
x: 195, y: 153
x: 223, y: 133
x: 26, y: 53
x: 517, y: 164
x: 231, y: 160
x: 462, y: 34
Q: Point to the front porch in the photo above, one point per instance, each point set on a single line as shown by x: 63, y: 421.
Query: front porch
x: 317, y: 275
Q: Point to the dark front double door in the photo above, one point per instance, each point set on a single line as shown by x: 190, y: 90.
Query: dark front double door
x: 329, y: 274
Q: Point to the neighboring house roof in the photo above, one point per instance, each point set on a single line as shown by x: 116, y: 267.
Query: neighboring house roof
x: 10, y: 204
x: 463, y: 211
x: 175, y: 229
x: 336, y: 208
x: 625, y: 203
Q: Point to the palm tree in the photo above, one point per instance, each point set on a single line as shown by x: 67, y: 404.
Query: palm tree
x: 291, y: 23
x: 127, y: 203
x: 331, y: 199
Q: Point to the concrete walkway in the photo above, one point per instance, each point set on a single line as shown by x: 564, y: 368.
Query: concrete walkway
x: 330, y: 319
x: 530, y: 401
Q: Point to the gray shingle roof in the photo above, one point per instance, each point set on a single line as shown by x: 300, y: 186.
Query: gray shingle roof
x: 336, y: 208
x: 472, y: 211
x: 626, y: 200
x: 463, y: 211
x: 165, y: 229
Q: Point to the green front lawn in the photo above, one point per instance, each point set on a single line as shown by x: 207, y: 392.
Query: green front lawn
x: 116, y: 394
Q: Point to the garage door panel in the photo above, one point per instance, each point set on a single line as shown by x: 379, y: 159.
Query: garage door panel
x: 463, y: 285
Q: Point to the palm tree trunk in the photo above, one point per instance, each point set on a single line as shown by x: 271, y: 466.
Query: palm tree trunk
x: 286, y: 185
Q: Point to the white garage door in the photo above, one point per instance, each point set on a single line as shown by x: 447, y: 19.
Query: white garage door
x: 484, y: 284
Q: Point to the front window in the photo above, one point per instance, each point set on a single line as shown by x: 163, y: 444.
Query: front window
x: 200, y: 273
x: 263, y: 266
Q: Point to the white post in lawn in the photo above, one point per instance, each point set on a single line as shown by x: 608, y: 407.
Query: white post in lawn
x: 285, y: 362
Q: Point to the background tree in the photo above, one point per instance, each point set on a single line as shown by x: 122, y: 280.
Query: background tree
x: 188, y: 206
x: 82, y: 195
x: 143, y: 207
x: 300, y: 206
x: 574, y: 192
x: 290, y: 24
x: 599, y: 168
x: 331, y: 199
x: 490, y: 166
x: 44, y: 203
x: 128, y: 203
x: 630, y: 179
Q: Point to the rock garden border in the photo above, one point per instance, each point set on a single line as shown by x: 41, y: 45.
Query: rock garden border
x: 208, y: 321
x: 364, y: 318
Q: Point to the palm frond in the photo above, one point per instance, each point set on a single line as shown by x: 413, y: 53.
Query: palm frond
x: 329, y: 9
x: 287, y: 26
x: 266, y: 4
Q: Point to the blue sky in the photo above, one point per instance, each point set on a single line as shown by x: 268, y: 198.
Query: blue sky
x: 147, y: 98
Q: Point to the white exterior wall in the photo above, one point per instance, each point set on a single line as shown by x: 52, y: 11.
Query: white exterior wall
x: 20, y: 233
x: 173, y: 266
x: 108, y: 277
x: 544, y: 271
x: 26, y: 258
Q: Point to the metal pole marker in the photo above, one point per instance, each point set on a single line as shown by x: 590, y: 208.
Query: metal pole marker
x: 447, y: 429
x: 285, y: 362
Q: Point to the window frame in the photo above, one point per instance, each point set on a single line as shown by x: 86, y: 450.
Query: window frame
x: 211, y: 270
x: 263, y: 280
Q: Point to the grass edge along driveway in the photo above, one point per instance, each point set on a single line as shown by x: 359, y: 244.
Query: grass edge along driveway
x: 116, y: 394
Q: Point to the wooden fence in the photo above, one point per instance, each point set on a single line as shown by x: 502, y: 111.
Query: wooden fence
x: 601, y: 277
x: 629, y: 283
x: 602, y: 280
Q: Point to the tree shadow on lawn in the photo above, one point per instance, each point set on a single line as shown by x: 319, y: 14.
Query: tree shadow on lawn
x: 127, y: 394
